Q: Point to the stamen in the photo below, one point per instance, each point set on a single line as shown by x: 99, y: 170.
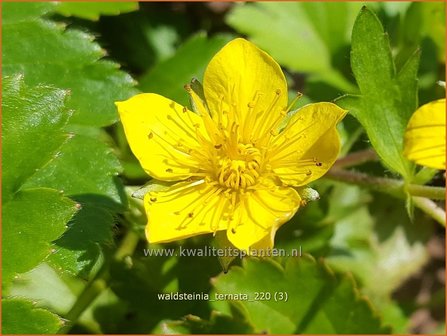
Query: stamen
x: 287, y: 141
x: 297, y: 97
x: 266, y: 116
x: 199, y: 208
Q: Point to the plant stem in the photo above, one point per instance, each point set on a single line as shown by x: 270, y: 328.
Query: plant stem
x: 430, y: 208
x: 89, y: 294
x: 437, y: 193
x: 387, y: 185
x: 356, y: 158
x: 390, y: 186
x: 100, y: 282
x: 397, y: 188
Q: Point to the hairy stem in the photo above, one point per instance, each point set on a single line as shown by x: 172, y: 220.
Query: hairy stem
x: 397, y: 188
x: 388, y: 185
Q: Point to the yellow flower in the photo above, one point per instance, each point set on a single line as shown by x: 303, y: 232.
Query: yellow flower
x: 425, y: 135
x: 235, y: 167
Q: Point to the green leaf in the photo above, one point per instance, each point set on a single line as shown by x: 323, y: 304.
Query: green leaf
x: 388, y: 97
x: 168, y: 78
x: 31, y: 221
x: 79, y: 248
x: 318, y: 302
x: 73, y: 172
x: 21, y: 317
x: 33, y: 10
x: 93, y: 10
x: 377, y: 243
x: 46, y: 287
x: 96, y: 187
x: 33, y: 122
x: 300, y: 36
x: 47, y: 52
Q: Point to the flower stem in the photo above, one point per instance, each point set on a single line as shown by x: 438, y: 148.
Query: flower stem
x: 390, y: 186
x: 437, y: 193
x: 397, y: 188
x: 356, y: 158
x: 430, y: 208
x: 387, y: 185
x: 99, y: 282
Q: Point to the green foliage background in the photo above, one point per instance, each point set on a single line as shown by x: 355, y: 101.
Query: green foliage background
x: 73, y: 238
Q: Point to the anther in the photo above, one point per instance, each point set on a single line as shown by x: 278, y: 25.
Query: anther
x: 219, y: 146
x: 153, y: 199
x: 278, y: 91
x: 185, y: 109
x: 191, y: 215
x: 233, y: 231
x: 150, y: 135
x: 318, y: 164
x: 169, y: 170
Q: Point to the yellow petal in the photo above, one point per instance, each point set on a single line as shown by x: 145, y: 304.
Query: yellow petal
x: 260, y: 213
x: 425, y: 135
x: 163, y: 136
x: 309, y: 144
x: 186, y: 209
x: 244, y: 84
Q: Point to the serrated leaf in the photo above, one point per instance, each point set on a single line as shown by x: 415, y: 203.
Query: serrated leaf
x: 47, y: 52
x: 31, y: 221
x: 93, y: 10
x: 388, y: 97
x: 79, y: 248
x: 33, y: 122
x: 169, y: 77
x: 21, y: 317
x: 299, y: 35
x: 83, y: 167
x: 318, y: 302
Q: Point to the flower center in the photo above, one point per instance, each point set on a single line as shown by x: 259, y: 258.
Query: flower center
x: 240, y: 169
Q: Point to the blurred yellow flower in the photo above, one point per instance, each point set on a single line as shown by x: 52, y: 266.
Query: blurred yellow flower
x: 425, y: 135
x: 235, y: 167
